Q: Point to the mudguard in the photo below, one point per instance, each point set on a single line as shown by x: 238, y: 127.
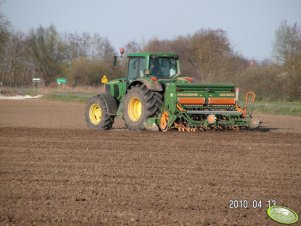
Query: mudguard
x: 155, y: 86
x: 110, y: 103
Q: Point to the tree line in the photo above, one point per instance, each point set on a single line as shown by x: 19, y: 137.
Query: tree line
x: 207, y: 56
x: 46, y: 54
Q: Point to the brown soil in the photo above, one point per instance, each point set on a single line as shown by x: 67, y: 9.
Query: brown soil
x: 55, y: 171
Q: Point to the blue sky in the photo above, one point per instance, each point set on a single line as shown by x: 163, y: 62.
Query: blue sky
x: 250, y: 24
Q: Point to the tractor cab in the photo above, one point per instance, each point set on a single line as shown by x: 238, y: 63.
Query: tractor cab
x: 159, y: 65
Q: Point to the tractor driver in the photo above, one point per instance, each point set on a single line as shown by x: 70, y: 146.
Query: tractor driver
x: 155, y: 67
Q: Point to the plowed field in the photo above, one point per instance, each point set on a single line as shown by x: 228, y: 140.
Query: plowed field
x: 55, y: 171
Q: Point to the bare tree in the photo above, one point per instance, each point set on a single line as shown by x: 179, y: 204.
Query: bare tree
x: 89, y: 46
x: 287, y: 51
x: 16, y: 61
x: 4, y: 30
x: 287, y: 43
x: 133, y: 47
x: 211, y: 53
x: 4, y: 36
x: 47, y: 51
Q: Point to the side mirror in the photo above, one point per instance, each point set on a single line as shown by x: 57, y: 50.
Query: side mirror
x: 146, y: 72
x: 121, y: 50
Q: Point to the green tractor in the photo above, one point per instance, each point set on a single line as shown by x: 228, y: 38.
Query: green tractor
x: 155, y: 96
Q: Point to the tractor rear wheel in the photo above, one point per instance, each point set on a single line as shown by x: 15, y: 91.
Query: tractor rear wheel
x: 140, y: 104
x: 96, y: 114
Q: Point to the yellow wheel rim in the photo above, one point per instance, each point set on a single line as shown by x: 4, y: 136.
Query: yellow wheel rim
x: 135, y: 109
x: 95, y: 114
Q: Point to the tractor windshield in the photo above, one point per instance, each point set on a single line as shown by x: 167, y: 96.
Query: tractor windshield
x: 163, y: 67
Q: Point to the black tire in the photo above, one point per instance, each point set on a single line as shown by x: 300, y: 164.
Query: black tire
x: 150, y: 106
x: 95, y: 105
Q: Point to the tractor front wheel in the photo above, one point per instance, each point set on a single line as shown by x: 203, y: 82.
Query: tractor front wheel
x: 96, y: 114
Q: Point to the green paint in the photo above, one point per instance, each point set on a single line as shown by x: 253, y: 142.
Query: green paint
x: 172, y: 85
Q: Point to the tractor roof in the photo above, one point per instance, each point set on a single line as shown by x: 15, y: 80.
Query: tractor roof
x: 145, y: 54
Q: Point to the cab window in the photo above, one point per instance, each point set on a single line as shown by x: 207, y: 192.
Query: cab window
x: 163, y: 67
x: 136, y: 67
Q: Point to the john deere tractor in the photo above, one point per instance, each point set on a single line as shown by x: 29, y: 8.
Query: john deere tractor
x: 155, y: 96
